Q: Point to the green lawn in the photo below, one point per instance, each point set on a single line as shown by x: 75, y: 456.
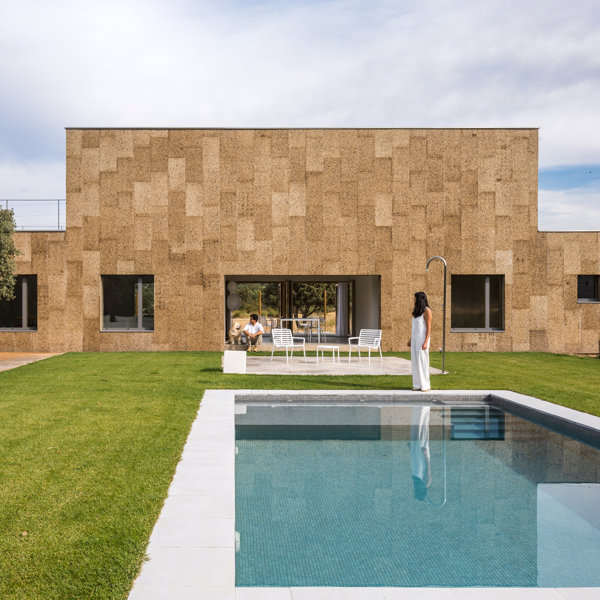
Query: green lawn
x: 90, y: 443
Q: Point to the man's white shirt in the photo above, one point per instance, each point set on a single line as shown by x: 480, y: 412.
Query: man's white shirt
x: 252, y: 329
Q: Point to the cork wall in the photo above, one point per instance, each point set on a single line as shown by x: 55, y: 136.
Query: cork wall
x: 191, y: 206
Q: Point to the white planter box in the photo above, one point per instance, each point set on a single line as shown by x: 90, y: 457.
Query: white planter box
x: 234, y: 361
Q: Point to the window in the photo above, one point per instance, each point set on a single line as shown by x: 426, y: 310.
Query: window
x: 128, y: 302
x: 21, y: 312
x: 588, y: 288
x: 477, y: 303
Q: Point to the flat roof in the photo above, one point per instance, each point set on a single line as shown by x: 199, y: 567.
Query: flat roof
x: 317, y: 128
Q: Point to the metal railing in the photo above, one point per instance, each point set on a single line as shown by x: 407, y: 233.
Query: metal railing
x: 38, y: 214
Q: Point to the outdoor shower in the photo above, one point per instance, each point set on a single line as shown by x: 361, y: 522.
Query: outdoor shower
x: 444, y: 305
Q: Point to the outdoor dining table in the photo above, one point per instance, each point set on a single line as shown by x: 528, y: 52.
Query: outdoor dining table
x: 309, y: 319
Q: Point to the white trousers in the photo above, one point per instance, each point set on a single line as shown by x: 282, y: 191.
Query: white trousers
x: 419, y: 362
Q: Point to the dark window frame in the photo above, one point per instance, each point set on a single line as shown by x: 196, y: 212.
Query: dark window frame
x: 487, y: 304
x: 139, y: 309
x: 24, y: 280
x: 596, y: 291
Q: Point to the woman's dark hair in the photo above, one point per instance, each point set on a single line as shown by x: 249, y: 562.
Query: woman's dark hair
x: 420, y: 304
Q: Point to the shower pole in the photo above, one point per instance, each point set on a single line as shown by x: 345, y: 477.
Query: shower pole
x: 444, y: 324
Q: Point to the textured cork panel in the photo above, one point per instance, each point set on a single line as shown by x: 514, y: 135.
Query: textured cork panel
x: 191, y: 206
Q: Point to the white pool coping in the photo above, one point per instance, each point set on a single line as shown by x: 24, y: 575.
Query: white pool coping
x: 192, y: 547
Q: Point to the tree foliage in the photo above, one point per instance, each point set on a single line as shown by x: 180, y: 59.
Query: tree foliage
x: 309, y: 298
x: 8, y: 251
x: 249, y: 293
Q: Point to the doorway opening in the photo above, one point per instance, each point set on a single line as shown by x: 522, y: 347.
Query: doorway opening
x: 316, y: 307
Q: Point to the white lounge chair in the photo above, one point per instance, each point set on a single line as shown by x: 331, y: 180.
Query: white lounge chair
x: 282, y: 338
x: 369, y: 339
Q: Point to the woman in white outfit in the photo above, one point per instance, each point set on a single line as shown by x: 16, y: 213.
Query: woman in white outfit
x: 419, y: 343
x: 419, y: 451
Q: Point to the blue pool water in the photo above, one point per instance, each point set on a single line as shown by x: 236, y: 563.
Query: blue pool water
x: 337, y: 496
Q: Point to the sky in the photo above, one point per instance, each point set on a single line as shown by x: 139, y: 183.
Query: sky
x: 300, y: 63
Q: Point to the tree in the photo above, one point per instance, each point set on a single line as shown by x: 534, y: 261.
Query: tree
x: 249, y: 294
x: 8, y: 251
x: 309, y: 297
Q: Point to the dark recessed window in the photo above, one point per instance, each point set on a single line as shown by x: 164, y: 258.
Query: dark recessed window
x: 478, y: 302
x: 588, y: 288
x: 21, y: 313
x: 128, y: 302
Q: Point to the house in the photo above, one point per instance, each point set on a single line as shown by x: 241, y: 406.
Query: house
x: 162, y: 224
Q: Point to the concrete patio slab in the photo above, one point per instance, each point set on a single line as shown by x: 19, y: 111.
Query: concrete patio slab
x: 192, y: 548
x: 11, y: 360
x: 391, y: 365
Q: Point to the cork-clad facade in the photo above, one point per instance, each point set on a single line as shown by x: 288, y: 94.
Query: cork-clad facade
x: 193, y: 207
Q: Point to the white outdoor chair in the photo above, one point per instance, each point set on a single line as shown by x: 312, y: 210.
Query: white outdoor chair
x: 306, y: 327
x: 282, y: 338
x: 369, y: 339
x: 322, y: 326
x: 263, y: 321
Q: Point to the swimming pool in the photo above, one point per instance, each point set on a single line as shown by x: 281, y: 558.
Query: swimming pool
x: 333, y: 491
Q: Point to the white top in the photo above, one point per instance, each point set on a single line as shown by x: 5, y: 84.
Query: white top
x: 257, y: 328
x: 419, y: 332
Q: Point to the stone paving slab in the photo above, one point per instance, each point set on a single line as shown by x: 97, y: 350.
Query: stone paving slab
x: 391, y: 365
x: 11, y: 360
x: 192, y: 547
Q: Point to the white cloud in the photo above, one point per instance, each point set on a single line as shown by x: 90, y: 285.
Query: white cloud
x: 569, y: 210
x: 32, y: 179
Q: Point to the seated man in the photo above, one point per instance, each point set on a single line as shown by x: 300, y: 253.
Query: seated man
x: 253, y: 332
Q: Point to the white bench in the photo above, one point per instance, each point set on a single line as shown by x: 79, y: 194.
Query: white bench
x: 368, y: 339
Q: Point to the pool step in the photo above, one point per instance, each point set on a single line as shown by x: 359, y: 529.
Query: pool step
x: 476, y: 423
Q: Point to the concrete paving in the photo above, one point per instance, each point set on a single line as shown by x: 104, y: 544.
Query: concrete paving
x: 391, y: 365
x: 11, y: 360
x: 192, y: 548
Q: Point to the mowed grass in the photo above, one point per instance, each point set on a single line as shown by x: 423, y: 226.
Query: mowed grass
x: 90, y: 443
